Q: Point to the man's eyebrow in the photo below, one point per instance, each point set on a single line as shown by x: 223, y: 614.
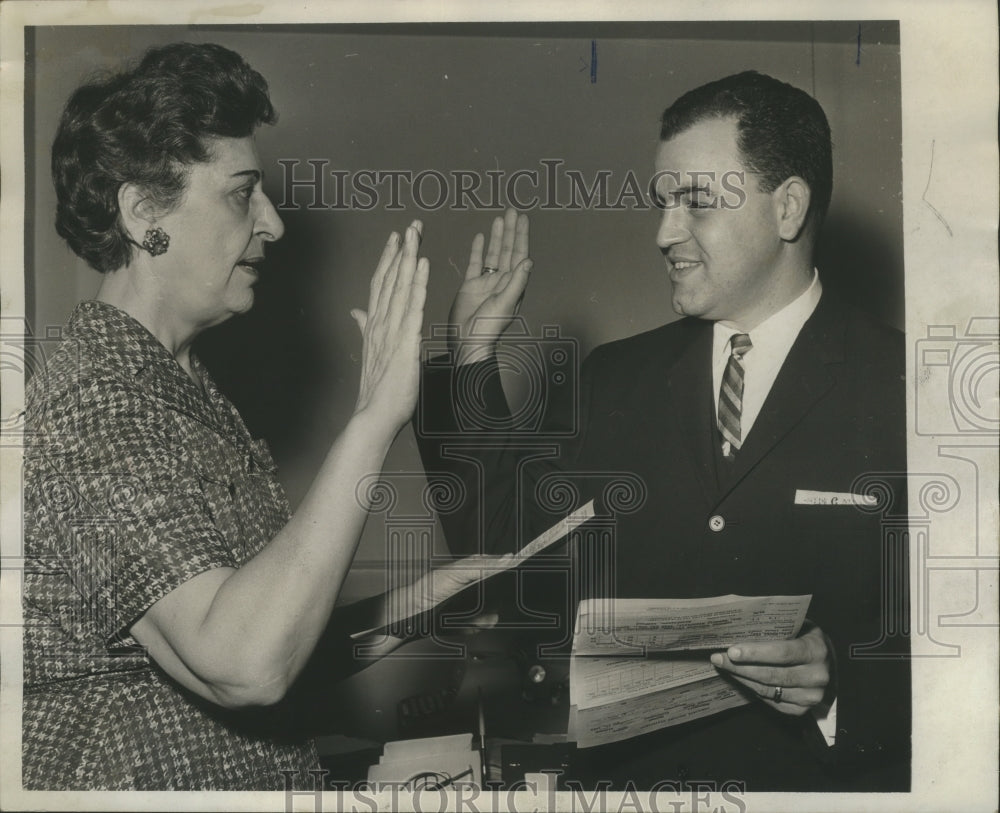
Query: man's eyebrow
x: 690, y: 189
x: 256, y: 174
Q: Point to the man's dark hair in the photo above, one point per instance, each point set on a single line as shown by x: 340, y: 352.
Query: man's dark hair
x: 147, y: 125
x: 782, y: 131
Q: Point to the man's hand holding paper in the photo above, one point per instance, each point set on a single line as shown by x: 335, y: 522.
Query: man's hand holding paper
x: 640, y: 665
x: 802, y: 667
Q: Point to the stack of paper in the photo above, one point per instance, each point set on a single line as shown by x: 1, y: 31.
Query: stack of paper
x: 429, y: 763
x: 639, y: 665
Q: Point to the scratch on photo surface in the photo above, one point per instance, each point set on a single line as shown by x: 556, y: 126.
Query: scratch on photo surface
x: 923, y: 197
x: 592, y: 64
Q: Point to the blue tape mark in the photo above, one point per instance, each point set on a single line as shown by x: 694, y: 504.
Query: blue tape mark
x: 857, y: 60
x: 593, y: 62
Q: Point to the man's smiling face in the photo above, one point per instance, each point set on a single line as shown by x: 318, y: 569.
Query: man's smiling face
x: 718, y: 234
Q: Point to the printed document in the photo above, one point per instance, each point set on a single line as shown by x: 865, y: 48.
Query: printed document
x: 639, y: 665
x: 404, y: 604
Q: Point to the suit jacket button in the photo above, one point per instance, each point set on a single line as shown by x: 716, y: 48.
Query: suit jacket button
x: 716, y: 523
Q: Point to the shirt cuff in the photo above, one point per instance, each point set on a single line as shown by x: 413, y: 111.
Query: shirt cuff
x: 826, y: 718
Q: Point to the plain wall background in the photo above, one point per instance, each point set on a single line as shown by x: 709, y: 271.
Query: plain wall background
x: 477, y: 98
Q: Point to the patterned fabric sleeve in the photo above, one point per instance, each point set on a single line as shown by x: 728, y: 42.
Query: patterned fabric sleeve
x: 122, y: 503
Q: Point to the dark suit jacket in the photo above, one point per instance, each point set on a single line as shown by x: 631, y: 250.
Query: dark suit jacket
x: 834, y: 421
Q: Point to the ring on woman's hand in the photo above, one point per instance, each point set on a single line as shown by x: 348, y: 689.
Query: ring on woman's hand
x: 490, y: 269
x: 777, y: 694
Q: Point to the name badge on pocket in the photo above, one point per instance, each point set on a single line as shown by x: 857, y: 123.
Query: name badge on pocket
x: 804, y: 497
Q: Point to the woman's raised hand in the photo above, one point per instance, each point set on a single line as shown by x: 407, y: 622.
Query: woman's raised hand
x: 492, y: 289
x: 391, y: 330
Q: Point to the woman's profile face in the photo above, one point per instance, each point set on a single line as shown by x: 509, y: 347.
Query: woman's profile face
x: 217, y: 232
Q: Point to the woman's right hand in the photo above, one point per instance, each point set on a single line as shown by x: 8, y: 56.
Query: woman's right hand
x: 486, y: 302
x: 391, y: 331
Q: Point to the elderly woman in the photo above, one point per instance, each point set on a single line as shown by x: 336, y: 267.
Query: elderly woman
x: 168, y: 592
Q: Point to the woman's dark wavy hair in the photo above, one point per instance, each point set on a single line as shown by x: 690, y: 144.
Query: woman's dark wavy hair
x: 782, y: 131
x: 147, y: 125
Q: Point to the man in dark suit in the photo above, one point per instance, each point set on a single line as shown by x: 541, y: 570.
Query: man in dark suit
x: 766, y: 431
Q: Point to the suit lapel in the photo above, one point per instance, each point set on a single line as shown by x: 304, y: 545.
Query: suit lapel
x: 804, y: 379
x: 689, y: 391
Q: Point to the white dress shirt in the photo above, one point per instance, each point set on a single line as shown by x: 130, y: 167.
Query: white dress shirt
x: 771, y: 340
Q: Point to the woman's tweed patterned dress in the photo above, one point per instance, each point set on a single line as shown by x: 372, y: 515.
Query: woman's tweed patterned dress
x: 134, y: 483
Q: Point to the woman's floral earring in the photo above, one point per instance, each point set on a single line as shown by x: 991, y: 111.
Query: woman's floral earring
x: 156, y: 241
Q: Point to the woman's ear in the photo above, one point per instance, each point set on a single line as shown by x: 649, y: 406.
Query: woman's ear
x: 792, y: 205
x: 137, y: 211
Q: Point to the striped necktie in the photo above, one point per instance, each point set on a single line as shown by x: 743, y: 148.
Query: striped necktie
x: 731, y: 396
